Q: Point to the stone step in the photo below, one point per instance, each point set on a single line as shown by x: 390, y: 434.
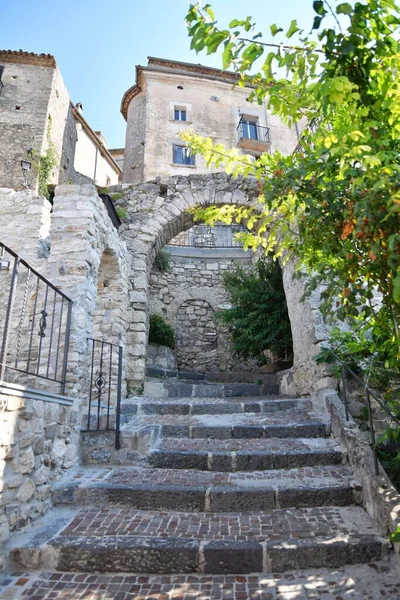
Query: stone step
x: 211, y: 377
x: 245, y: 454
x: 293, y: 423
x: 168, y: 388
x: 188, y: 406
x: 126, y: 540
x: 178, y: 489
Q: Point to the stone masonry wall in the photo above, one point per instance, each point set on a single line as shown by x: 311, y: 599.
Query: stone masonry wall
x: 23, y: 117
x: 38, y: 443
x: 187, y: 295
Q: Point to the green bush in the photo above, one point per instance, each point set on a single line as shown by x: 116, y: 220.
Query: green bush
x: 258, y: 319
x: 162, y: 260
x: 161, y: 332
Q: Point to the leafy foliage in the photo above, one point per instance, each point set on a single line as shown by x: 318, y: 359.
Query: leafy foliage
x: 45, y: 163
x: 335, y: 202
x: 258, y: 319
x: 162, y: 261
x: 161, y: 332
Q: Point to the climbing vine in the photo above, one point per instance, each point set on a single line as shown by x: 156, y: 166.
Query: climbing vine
x: 45, y: 163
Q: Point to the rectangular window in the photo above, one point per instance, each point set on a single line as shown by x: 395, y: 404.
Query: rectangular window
x: 179, y: 114
x: 182, y: 156
x: 249, y: 129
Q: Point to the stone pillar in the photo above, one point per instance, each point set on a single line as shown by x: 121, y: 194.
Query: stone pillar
x: 308, y: 331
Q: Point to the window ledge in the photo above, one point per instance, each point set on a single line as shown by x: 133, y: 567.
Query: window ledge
x: 186, y: 166
x: 180, y: 122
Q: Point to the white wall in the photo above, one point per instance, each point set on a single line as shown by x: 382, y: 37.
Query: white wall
x: 85, y: 160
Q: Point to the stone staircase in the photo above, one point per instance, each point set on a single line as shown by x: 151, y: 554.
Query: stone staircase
x: 209, y: 496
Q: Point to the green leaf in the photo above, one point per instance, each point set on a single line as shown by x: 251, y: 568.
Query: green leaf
x: 292, y: 29
x: 227, y: 55
x: 318, y: 6
x: 275, y: 29
x: 210, y: 12
x: 395, y: 537
x: 317, y: 22
x: 396, y: 288
x: 344, y: 9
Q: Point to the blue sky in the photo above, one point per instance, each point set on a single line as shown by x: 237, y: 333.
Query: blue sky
x: 97, y: 43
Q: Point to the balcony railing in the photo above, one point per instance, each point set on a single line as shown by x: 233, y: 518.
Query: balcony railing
x: 205, y: 236
x: 35, y: 322
x: 252, y: 136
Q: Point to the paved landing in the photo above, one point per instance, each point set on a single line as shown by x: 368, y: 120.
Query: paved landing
x: 376, y: 581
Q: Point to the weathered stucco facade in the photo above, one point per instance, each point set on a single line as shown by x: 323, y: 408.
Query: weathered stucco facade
x: 213, y: 107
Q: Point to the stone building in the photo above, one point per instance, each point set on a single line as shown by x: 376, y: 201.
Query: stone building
x: 169, y: 97
x: 37, y: 117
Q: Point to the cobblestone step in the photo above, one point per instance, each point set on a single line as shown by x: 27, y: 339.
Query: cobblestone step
x: 123, y: 540
x: 167, y: 388
x: 178, y: 489
x: 245, y: 454
x: 203, y: 406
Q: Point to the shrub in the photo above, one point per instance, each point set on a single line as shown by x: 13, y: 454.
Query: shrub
x: 161, y: 332
x: 161, y: 262
x: 258, y: 319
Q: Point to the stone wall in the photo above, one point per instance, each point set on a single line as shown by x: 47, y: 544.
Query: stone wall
x: 33, y: 112
x: 23, y: 117
x: 68, y: 249
x: 187, y: 295
x: 38, y: 443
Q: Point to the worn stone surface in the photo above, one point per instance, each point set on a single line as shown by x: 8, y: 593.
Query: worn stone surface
x: 160, y: 357
x: 376, y: 581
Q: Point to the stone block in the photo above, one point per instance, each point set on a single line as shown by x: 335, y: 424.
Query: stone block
x: 230, y: 557
x: 26, y: 491
x: 26, y: 460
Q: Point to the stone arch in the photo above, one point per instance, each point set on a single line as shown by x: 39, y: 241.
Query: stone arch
x: 157, y: 212
x: 196, y: 337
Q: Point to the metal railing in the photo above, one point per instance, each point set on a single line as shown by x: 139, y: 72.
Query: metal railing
x: 252, y: 131
x: 369, y: 393
x: 34, y: 324
x: 105, y: 392
x: 205, y: 236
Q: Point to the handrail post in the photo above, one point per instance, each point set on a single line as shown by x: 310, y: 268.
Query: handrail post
x: 118, y: 407
x: 6, y: 334
x: 344, y: 391
x: 372, y: 430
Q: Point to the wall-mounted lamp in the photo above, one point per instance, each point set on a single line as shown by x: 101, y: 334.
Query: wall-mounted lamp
x: 25, y: 167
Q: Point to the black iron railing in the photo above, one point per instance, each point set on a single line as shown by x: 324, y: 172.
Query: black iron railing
x: 205, y: 236
x: 35, y: 322
x: 112, y: 213
x: 369, y: 393
x: 105, y: 392
x: 249, y: 130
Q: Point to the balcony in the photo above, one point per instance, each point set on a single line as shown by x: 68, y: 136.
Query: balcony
x: 252, y: 136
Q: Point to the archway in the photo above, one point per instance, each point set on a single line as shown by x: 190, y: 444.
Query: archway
x: 158, y: 211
